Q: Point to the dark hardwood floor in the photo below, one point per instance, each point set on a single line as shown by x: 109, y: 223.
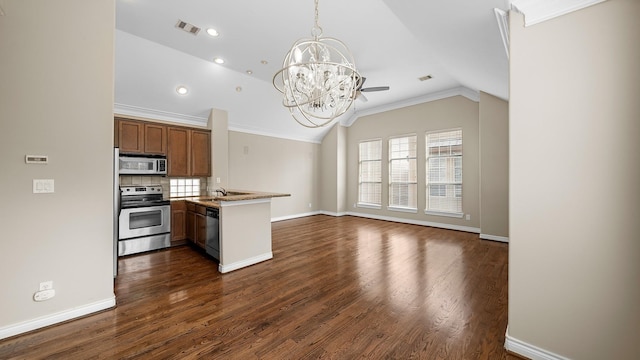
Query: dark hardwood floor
x: 337, y: 288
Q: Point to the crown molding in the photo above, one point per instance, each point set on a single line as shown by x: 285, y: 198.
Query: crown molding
x: 124, y: 109
x: 458, y: 91
x: 537, y: 11
x: 249, y: 130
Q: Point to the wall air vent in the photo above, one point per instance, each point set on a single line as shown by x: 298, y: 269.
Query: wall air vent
x: 425, y: 78
x: 190, y: 28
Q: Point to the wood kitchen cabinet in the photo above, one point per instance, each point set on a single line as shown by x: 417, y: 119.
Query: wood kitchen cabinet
x: 189, y: 152
x: 140, y: 137
x: 179, y: 143
x: 196, y: 224
x: 178, y: 222
x: 200, y: 153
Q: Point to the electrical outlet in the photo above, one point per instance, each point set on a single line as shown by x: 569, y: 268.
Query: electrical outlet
x: 46, y: 285
x: 217, y: 180
x: 309, y: 204
x: 468, y: 216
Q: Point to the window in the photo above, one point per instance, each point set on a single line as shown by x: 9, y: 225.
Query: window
x: 403, y: 178
x: 444, y: 172
x: 370, y: 179
x: 184, y: 187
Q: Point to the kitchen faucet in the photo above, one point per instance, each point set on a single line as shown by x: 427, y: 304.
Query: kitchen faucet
x: 222, y: 191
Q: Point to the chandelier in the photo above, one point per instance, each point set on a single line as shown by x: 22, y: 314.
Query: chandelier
x: 318, y: 79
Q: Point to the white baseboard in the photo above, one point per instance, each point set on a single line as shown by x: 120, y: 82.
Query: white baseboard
x: 494, y: 238
x: 386, y: 218
x: 527, y: 350
x: 418, y: 222
x: 295, y: 216
x: 56, y: 318
x: 244, y: 263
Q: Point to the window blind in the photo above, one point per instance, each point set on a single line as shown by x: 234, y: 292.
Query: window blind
x: 403, y: 180
x: 370, y: 173
x: 444, y: 171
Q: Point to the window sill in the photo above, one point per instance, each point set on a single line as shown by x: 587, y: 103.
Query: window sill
x: 403, y: 209
x: 369, y: 206
x: 446, y: 214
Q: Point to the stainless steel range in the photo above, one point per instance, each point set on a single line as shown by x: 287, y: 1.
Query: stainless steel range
x: 144, y: 221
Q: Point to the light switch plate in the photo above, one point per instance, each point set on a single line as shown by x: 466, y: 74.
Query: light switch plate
x: 43, y: 186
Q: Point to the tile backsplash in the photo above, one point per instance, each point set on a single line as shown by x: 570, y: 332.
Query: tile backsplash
x: 157, y: 180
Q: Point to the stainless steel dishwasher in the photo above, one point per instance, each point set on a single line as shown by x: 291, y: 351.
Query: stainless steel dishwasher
x: 212, y: 243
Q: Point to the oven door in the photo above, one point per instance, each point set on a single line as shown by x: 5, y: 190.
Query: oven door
x: 144, y: 221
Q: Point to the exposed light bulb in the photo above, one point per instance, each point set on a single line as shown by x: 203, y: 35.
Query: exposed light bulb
x: 213, y: 32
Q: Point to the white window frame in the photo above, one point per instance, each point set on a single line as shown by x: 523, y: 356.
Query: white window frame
x: 399, y: 207
x: 443, y: 212
x: 360, y: 203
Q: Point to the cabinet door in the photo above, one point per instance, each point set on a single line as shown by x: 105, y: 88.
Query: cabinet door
x: 191, y: 226
x: 130, y: 136
x: 178, y: 220
x: 200, y: 153
x: 155, y: 139
x: 201, y: 230
x: 179, y: 144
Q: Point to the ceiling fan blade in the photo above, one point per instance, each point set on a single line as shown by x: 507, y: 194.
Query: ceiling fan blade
x: 375, y: 88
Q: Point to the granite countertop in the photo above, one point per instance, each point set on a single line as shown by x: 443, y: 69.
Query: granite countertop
x: 232, y: 195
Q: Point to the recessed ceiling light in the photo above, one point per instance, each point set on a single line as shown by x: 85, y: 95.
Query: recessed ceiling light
x: 249, y: 72
x: 264, y: 62
x: 238, y: 88
x: 218, y: 60
x: 212, y: 32
x: 182, y: 90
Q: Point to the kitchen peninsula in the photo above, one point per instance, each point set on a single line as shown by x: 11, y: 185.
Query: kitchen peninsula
x: 244, y: 226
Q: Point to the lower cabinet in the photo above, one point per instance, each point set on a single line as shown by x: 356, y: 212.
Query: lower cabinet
x: 178, y: 222
x: 196, y: 224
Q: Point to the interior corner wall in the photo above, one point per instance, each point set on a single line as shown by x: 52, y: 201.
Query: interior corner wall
x: 56, y: 99
x: 329, y: 171
x: 269, y: 164
x: 219, y: 125
x: 574, y: 254
x: 494, y: 168
x: 341, y: 165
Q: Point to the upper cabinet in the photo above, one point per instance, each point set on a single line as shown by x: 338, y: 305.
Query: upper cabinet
x: 138, y: 137
x: 200, y: 153
x: 188, y: 150
x: 179, y: 148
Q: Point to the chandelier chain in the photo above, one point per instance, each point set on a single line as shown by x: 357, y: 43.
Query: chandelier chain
x: 317, y: 30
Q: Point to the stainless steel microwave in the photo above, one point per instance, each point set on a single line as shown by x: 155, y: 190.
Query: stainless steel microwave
x: 142, y: 165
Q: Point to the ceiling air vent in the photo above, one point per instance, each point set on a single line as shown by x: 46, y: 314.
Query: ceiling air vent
x: 192, y: 29
x: 425, y: 78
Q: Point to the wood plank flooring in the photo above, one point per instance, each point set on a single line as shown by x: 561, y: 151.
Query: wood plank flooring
x: 337, y: 288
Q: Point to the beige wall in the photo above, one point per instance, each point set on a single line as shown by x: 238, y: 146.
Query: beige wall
x: 494, y: 168
x: 218, y: 123
x: 56, y: 99
x: 574, y: 253
x: 333, y: 174
x: 271, y: 164
x: 453, y: 112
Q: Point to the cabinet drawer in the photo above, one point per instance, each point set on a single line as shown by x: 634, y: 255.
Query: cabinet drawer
x: 191, y: 206
x: 202, y: 210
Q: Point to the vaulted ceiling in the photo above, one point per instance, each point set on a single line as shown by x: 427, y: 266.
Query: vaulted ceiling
x: 394, y: 43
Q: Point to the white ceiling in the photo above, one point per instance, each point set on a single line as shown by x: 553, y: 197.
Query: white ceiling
x: 394, y: 42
